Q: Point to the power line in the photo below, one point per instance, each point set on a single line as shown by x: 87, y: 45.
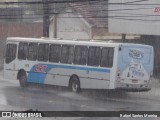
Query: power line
x: 126, y: 9
x: 97, y: 17
x: 49, y: 1
x: 134, y: 15
x: 143, y: 8
x: 96, y: 10
x: 129, y: 15
x: 130, y: 19
x: 79, y: 1
x: 45, y: 18
x: 106, y: 17
x: 136, y: 1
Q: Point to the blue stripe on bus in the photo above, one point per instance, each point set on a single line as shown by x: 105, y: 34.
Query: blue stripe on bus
x: 39, y: 77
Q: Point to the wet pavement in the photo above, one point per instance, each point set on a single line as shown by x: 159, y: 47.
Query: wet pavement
x: 52, y: 98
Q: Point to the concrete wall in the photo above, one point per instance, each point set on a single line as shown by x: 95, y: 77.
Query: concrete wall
x: 71, y: 26
x: 134, y: 17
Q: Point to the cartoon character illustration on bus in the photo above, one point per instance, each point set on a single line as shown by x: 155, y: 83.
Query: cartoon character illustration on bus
x: 135, y: 68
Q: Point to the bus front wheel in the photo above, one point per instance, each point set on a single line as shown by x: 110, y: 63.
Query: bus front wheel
x: 75, y: 85
x: 23, y: 80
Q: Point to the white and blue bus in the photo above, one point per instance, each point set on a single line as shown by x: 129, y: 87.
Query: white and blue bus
x: 79, y: 64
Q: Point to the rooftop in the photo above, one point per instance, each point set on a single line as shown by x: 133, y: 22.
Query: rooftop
x: 95, y: 12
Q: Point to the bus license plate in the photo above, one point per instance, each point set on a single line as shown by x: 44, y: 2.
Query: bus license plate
x: 134, y: 81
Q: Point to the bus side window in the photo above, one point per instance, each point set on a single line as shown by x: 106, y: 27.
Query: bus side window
x: 107, y: 57
x: 67, y: 54
x: 11, y: 52
x: 94, y: 56
x: 43, y: 51
x: 84, y: 55
x: 55, y: 51
x: 81, y: 54
x: 32, y: 52
x: 23, y: 51
x: 111, y: 54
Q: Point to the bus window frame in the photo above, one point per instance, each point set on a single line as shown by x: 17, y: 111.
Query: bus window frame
x: 14, y: 55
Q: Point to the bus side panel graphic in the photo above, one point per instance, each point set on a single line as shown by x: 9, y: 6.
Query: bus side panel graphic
x: 44, y: 69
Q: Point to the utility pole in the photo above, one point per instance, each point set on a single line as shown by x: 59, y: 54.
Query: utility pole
x: 55, y: 26
x: 46, y: 21
x: 123, y: 38
x: 55, y: 21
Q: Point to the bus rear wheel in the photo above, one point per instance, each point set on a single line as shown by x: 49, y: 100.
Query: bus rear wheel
x: 75, y: 85
x: 23, y: 80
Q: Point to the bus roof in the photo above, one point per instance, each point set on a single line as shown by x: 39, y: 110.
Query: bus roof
x: 72, y: 42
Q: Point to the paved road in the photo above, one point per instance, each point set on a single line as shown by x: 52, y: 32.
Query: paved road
x: 47, y: 98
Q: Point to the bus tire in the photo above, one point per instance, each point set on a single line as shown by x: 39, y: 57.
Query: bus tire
x: 75, y: 85
x: 23, y: 80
